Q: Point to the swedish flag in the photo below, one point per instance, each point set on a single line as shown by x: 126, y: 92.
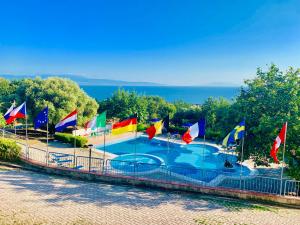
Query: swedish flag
x: 237, y: 133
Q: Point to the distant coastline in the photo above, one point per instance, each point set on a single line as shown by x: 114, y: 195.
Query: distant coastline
x: 190, y: 94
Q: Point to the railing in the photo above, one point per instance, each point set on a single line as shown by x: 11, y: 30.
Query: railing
x: 292, y: 188
x: 162, y: 173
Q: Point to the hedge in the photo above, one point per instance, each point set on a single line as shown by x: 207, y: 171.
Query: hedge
x: 69, y: 138
x: 141, y: 127
x: 9, y: 150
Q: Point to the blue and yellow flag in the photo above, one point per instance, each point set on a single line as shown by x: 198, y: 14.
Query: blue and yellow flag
x: 237, y: 133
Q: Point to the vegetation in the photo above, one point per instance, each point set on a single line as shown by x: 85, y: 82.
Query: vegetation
x: 123, y: 104
x: 61, y: 96
x: 69, y: 138
x: 9, y: 150
x: 266, y: 102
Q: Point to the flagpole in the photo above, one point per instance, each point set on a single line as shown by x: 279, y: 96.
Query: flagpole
x: 283, y: 153
x: 26, y: 136
x: 74, y: 146
x: 47, y: 153
x: 204, y: 143
x: 168, y: 135
x: 135, y: 144
x: 135, y: 139
x: 242, y: 159
x: 15, y: 129
x: 104, y: 142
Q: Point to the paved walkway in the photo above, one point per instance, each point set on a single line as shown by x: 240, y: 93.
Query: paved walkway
x: 32, y: 198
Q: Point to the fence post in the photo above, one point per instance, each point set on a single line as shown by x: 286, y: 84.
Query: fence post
x: 284, y: 190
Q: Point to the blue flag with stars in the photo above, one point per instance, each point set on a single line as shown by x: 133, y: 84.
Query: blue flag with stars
x: 41, y: 119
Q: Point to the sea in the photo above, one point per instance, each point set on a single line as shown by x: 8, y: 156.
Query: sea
x: 190, y: 94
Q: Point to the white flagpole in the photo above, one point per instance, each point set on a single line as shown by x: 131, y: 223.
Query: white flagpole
x: 242, y: 160
x: 104, y: 142
x: 15, y: 129
x: 168, y: 135
x: 74, y: 146
x: 204, y: 144
x: 27, y: 136
x: 283, y: 153
x: 47, y: 153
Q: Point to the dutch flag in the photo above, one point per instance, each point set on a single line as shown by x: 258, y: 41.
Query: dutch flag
x: 68, y: 121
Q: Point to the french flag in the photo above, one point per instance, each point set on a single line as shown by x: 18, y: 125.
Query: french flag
x: 197, y: 129
x: 17, y: 113
x: 68, y: 121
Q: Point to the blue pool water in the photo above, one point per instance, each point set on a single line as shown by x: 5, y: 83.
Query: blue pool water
x: 182, y: 159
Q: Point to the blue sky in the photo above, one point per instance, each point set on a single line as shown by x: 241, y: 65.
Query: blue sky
x: 165, y: 41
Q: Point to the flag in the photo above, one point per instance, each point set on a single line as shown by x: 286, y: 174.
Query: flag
x: 279, y: 139
x: 98, y: 121
x: 236, y: 134
x: 69, y: 120
x: 41, y: 118
x: 17, y: 113
x: 158, y: 127
x: 197, y: 129
x: 127, y: 125
x: 7, y: 114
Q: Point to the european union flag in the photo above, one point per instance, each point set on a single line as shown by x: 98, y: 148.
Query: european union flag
x: 41, y: 119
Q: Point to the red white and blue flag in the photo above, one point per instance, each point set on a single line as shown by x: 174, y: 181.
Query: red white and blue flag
x: 7, y: 114
x: 197, y: 129
x: 68, y: 121
x: 16, y: 113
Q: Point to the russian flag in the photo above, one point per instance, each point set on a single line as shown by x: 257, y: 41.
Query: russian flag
x: 68, y: 121
x: 16, y: 113
x: 197, y: 129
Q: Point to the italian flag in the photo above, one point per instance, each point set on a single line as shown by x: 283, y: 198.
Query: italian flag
x: 279, y: 139
x: 98, y: 121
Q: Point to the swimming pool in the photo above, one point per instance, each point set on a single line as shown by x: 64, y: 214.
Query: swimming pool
x: 180, y: 158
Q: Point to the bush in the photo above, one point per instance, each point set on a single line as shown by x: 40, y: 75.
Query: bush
x: 141, y: 127
x: 9, y: 150
x: 69, y: 138
x: 177, y: 129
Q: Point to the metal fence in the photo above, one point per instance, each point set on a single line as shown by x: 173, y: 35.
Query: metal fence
x: 162, y: 173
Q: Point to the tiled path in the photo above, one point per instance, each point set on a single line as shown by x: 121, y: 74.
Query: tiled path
x: 31, y: 198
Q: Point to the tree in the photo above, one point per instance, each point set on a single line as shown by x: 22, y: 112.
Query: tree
x: 123, y: 104
x: 267, y: 101
x: 61, y: 96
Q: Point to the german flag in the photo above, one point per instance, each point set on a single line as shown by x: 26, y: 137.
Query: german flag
x: 127, y: 125
x: 157, y: 127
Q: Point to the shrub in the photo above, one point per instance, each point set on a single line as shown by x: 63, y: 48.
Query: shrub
x: 69, y: 138
x: 9, y: 150
x: 177, y: 129
x: 141, y: 127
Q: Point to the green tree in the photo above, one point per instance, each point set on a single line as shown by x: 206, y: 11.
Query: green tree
x: 60, y: 95
x: 123, y: 103
x: 267, y: 101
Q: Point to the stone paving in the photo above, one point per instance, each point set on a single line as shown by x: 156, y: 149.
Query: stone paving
x: 32, y: 198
